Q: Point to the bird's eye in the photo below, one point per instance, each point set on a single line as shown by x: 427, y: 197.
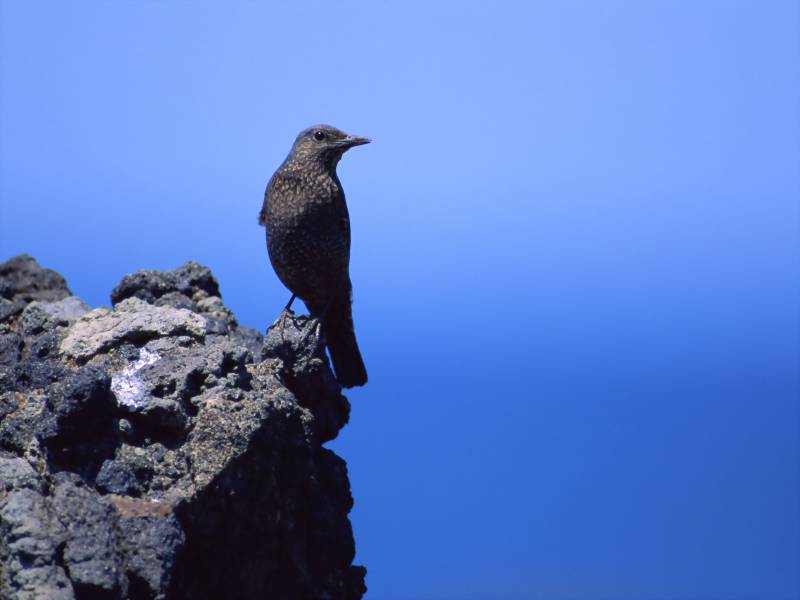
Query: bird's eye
x: 319, y: 135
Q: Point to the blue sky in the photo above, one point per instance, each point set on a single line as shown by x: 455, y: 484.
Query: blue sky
x: 575, y: 259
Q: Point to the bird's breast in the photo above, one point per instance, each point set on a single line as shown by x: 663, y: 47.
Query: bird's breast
x: 301, y: 196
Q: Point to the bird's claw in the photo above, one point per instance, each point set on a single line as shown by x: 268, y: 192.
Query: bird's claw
x: 287, y: 312
x: 314, y: 326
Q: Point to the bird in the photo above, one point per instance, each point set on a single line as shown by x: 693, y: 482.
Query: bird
x: 308, y: 240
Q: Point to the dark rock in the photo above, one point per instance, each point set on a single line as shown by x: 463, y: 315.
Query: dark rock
x: 27, y: 419
x: 91, y: 553
x: 32, y: 374
x: 43, y: 345
x: 9, y: 309
x: 84, y: 434
x: 295, y: 343
x: 10, y: 349
x: 22, y: 281
x: 176, y: 300
x: 160, y: 450
x: 8, y: 404
x: 148, y: 285
x: 150, y: 541
x: 117, y: 477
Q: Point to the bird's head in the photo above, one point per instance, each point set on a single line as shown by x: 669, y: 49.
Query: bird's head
x: 324, y: 144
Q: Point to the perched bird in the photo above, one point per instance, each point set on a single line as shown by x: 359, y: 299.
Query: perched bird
x: 308, y: 239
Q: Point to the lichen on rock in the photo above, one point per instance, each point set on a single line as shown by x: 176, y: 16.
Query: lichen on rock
x: 158, y: 449
x: 132, y: 320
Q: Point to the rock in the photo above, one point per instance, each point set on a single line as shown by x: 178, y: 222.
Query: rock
x: 40, y: 316
x: 151, y: 538
x: 27, y: 418
x: 10, y: 349
x: 17, y: 473
x: 132, y: 320
x: 92, y: 553
x: 117, y: 477
x: 304, y: 366
x: 22, y: 280
x: 176, y: 300
x: 192, y: 280
x: 30, y: 541
x: 160, y: 450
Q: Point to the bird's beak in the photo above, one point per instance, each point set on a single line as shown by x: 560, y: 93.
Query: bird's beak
x: 354, y: 140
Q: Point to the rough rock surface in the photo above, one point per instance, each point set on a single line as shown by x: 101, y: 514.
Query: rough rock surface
x: 160, y: 450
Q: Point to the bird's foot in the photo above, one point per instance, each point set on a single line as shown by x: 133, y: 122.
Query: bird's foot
x: 286, y: 313
x: 314, y: 327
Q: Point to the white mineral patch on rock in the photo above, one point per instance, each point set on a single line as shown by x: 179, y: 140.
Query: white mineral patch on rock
x: 128, y: 385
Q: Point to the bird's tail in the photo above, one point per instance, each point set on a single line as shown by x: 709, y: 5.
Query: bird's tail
x: 342, y: 345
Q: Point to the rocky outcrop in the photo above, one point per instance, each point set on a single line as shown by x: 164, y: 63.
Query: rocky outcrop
x: 157, y: 449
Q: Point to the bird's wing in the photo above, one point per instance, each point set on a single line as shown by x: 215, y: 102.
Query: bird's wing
x: 282, y: 178
x: 344, y: 217
x: 262, y: 214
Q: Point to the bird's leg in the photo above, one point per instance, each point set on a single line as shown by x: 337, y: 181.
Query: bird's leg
x: 289, y: 304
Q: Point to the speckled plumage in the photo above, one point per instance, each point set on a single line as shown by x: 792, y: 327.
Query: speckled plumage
x: 308, y: 238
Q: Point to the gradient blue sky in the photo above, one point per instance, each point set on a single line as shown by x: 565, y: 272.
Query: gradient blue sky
x: 575, y: 259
